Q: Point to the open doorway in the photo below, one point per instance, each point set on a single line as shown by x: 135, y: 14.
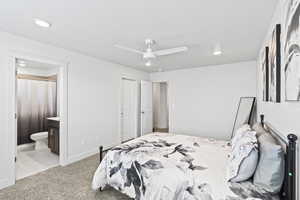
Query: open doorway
x: 160, y: 107
x: 38, y: 99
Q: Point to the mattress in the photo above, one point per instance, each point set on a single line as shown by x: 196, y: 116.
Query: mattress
x: 169, y: 166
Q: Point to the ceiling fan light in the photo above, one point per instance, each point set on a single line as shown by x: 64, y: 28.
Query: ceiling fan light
x: 216, y: 53
x: 148, y: 63
x: 217, y: 50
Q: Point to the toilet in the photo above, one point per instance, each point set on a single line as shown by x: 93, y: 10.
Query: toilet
x: 40, y: 139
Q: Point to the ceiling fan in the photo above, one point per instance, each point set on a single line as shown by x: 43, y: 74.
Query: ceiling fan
x: 149, y: 54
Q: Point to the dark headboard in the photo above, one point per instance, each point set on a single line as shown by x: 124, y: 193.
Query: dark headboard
x: 289, y: 189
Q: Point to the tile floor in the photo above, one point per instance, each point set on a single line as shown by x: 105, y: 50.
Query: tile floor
x: 30, y: 162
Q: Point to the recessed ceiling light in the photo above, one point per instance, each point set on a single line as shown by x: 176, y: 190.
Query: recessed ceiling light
x: 148, y: 63
x: 42, y: 23
x: 218, y: 50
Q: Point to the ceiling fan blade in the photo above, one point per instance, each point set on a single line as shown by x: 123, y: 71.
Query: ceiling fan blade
x: 170, y: 51
x: 129, y: 49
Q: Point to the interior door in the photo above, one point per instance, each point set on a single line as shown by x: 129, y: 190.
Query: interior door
x: 146, y: 108
x: 129, y: 111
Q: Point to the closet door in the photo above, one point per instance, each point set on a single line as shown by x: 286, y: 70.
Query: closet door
x: 146, y: 108
x: 129, y: 109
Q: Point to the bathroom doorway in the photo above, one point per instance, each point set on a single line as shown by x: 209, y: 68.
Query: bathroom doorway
x: 160, y: 107
x: 39, y: 99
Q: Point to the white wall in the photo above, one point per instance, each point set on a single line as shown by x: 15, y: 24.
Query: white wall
x: 94, y: 88
x: 283, y: 116
x: 203, y: 101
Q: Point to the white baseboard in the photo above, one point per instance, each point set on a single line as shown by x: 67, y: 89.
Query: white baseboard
x: 87, y: 154
x: 5, y: 183
x: 81, y: 156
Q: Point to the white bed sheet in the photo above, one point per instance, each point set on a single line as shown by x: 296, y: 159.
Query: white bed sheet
x: 185, y: 167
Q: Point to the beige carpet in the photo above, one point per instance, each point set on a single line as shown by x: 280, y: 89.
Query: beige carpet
x: 72, y: 182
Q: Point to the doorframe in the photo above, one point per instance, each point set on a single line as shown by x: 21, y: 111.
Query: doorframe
x: 168, y: 100
x: 121, y: 105
x: 63, y: 101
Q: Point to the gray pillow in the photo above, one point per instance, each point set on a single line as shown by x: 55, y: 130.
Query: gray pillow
x: 260, y: 130
x: 270, y: 169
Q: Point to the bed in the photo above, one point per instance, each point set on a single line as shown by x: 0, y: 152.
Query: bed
x: 169, y: 166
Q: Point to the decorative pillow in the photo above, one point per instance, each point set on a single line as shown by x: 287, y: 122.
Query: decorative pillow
x: 270, y: 169
x: 243, y: 159
x: 239, y: 133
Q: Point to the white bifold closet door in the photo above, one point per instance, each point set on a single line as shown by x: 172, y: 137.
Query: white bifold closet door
x: 129, y: 111
x: 146, y: 108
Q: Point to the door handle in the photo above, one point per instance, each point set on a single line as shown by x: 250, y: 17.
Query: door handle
x: 143, y: 112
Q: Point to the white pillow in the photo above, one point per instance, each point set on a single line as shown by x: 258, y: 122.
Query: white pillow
x: 239, y: 133
x: 243, y: 158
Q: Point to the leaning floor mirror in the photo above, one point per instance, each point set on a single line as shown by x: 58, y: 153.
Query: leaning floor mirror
x: 244, y: 113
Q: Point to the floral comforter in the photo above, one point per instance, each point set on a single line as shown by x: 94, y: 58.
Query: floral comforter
x: 176, y: 167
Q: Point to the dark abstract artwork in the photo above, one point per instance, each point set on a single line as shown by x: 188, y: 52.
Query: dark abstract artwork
x: 264, y: 63
x: 275, y: 66
x: 292, y: 50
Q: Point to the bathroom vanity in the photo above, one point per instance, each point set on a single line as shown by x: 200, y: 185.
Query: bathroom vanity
x: 53, y: 134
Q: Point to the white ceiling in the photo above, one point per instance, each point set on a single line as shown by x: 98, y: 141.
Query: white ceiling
x: 93, y: 27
